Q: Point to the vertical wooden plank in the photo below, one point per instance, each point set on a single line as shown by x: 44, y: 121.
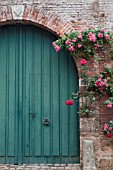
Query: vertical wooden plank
x: 16, y: 95
x: 31, y: 117
x: 37, y: 43
x: 31, y: 100
x: 46, y: 106
x: 26, y: 83
x: 38, y: 93
x: 28, y: 104
x: 29, y: 127
x: 26, y: 110
x: 46, y: 53
x: 63, y: 60
x: 55, y: 102
x: 38, y: 115
x: 46, y: 93
x: 73, y: 130
x: 3, y: 105
x: 20, y: 60
x: 11, y: 91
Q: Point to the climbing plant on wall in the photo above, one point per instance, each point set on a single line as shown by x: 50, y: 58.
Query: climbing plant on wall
x: 85, y: 46
x: 85, y: 43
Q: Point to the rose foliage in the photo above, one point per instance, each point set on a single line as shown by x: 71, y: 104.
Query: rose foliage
x: 84, y: 43
x: 108, y: 129
x: 101, y: 85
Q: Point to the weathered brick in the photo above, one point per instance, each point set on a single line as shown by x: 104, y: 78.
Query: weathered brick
x: 59, y: 17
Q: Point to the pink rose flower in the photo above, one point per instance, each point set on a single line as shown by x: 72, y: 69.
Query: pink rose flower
x: 92, y: 37
x: 109, y: 135
x: 80, y: 36
x: 53, y: 43
x: 68, y: 41
x: 106, y: 85
x: 105, y: 127
x: 103, y: 30
x: 100, y: 35
x: 101, y: 75
x: 105, y: 82
x: 71, y: 48
x: 57, y: 48
x: 100, y: 88
x: 98, y: 83
x: 91, y: 26
x: 83, y: 61
x: 79, y: 45
x: 107, y: 37
x: 83, y: 30
x: 97, y: 45
x: 90, y: 34
x: 100, y: 79
x: 74, y: 40
x: 69, y: 102
x: 110, y: 128
x: 109, y: 105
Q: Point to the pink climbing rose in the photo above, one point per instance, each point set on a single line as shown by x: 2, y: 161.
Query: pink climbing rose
x: 91, y: 26
x: 110, y: 128
x: 80, y: 36
x: 53, y: 44
x: 83, y: 30
x: 92, y: 37
x: 98, y: 83
x: 57, y: 48
x: 90, y: 34
x: 83, y: 61
x: 105, y: 127
x: 109, y: 135
x: 69, y: 102
x: 109, y: 105
x: 100, y: 35
x: 67, y: 42
x: 107, y: 37
x: 74, y: 40
x: 71, y: 48
x: 79, y: 45
x: 97, y: 45
x: 103, y: 30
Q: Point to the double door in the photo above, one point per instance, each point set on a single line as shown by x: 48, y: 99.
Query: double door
x: 35, y: 124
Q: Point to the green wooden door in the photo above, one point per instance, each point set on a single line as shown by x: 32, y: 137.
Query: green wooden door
x: 35, y: 82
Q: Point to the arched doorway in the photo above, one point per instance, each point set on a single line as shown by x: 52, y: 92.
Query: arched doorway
x: 35, y: 124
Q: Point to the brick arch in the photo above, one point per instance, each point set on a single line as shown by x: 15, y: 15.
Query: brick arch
x: 35, y: 15
x: 12, y: 14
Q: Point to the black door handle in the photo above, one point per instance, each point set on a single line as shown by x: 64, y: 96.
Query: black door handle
x: 46, y: 121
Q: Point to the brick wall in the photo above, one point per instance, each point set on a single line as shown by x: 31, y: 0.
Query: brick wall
x: 79, y: 13
x: 64, y: 16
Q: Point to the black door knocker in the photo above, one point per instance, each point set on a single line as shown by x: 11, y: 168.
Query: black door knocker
x: 46, y: 121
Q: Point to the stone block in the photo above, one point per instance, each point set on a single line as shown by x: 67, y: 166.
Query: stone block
x: 17, y: 11
x: 68, y: 168
x: 88, y: 155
